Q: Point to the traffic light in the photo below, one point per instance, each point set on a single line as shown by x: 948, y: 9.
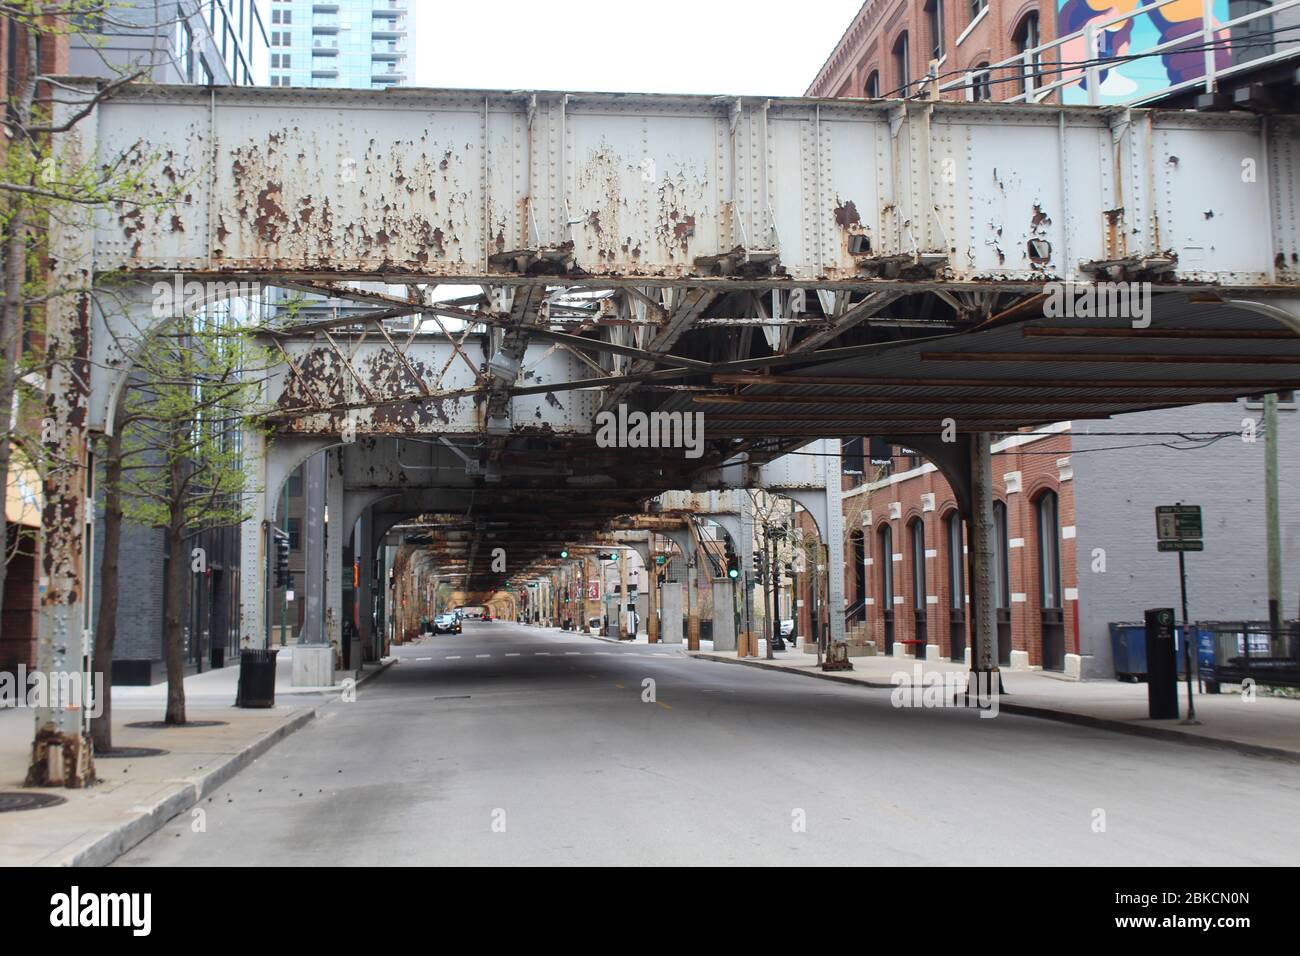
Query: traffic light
x: 733, y: 566
x: 564, y: 553
x: 760, y: 566
x: 606, y: 556
x: 283, y: 578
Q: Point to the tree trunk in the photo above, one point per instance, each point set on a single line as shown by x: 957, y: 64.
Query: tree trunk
x: 174, y: 631
x: 106, y: 625
x: 11, y: 316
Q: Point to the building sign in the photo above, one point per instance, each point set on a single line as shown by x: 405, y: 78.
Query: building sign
x: 593, y: 589
x: 1179, y: 528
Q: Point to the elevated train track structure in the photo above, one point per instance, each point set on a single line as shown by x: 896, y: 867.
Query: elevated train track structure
x: 794, y: 269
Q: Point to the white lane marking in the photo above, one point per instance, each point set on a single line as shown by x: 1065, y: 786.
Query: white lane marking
x: 572, y: 653
x: 512, y: 654
x: 606, y: 653
x: 452, y: 657
x: 424, y: 658
x: 482, y: 655
x: 542, y: 653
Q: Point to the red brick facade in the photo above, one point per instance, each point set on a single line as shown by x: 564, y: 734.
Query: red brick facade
x: 1027, y: 471
x: 988, y: 30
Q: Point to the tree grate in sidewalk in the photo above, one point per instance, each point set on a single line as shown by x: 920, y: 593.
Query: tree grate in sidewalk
x: 28, y: 801
x: 122, y: 753
x: 163, y: 725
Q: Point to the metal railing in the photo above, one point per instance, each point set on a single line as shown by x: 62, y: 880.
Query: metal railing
x: 1029, y: 64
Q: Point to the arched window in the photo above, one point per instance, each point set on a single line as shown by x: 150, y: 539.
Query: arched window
x: 1049, y: 581
x: 917, y: 530
x: 902, y: 64
x: 873, y: 85
x: 1026, y: 38
x: 858, y: 601
x: 934, y: 21
x: 1001, y: 568
x: 885, y: 558
x: 981, y: 86
x: 956, y: 586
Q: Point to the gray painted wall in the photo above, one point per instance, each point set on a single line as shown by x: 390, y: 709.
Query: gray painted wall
x: 140, y: 601
x: 1116, y: 493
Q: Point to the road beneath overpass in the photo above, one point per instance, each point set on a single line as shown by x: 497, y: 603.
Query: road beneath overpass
x: 515, y: 745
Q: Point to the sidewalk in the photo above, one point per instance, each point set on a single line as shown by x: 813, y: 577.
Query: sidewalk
x: 1268, y: 726
x: 136, y: 796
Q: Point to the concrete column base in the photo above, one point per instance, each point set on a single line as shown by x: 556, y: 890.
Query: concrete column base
x: 932, y: 652
x: 899, y: 649
x: 1074, y: 667
x: 865, y: 649
x: 966, y: 656
x: 313, y: 665
x: 1020, y: 660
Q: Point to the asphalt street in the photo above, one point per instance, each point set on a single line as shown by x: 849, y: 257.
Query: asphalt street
x: 516, y: 745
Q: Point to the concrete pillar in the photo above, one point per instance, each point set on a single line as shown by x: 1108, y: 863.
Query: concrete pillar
x: 834, y: 544
x: 984, y: 655
x: 364, y: 642
x: 623, y: 599
x: 651, y: 591
x: 724, y: 615
x: 335, y: 538
x: 313, y: 658
x: 693, y: 602
x: 313, y: 585
x: 254, y: 543
x: 671, y: 625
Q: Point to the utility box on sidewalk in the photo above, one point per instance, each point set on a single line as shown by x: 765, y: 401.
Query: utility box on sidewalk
x: 256, y: 677
x: 1162, y: 665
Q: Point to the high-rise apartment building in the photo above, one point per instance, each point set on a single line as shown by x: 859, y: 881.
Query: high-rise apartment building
x: 358, y: 44
x: 209, y: 42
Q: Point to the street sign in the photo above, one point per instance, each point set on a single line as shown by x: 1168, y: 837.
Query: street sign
x: 1178, y: 523
x: 1180, y: 545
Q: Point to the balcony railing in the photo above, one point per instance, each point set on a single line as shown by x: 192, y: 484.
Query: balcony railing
x: 1031, y: 68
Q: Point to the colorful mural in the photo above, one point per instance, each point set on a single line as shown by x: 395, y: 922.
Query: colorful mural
x: 1136, y: 78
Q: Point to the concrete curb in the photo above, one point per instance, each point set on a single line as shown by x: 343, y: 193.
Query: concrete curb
x: 1047, y: 713
x: 107, y: 848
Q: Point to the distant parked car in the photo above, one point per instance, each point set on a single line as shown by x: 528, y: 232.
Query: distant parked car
x: 446, y: 624
x: 787, y: 628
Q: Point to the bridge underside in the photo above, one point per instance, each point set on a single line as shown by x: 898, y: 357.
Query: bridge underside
x: 788, y: 268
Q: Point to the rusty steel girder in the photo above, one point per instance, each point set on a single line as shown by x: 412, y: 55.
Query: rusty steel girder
x: 510, y: 187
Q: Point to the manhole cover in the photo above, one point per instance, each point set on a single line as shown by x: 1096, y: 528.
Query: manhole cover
x: 163, y: 725
x: 28, y: 801
x: 124, y: 752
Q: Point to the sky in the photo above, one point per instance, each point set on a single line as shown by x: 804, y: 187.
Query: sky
x: 757, y: 48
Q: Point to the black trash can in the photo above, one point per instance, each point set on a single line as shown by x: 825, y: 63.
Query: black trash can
x: 257, y: 677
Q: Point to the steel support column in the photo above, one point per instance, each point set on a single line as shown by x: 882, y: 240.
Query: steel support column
x: 984, y: 656
x: 314, y: 481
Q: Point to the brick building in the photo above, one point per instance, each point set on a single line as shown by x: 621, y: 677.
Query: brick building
x: 906, y: 581
x: 1075, y: 536
x: 891, y: 46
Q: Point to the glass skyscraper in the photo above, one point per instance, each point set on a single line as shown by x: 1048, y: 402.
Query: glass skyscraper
x: 359, y: 44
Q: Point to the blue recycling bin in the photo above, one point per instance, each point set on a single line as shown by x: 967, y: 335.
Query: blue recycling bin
x: 1128, y: 647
